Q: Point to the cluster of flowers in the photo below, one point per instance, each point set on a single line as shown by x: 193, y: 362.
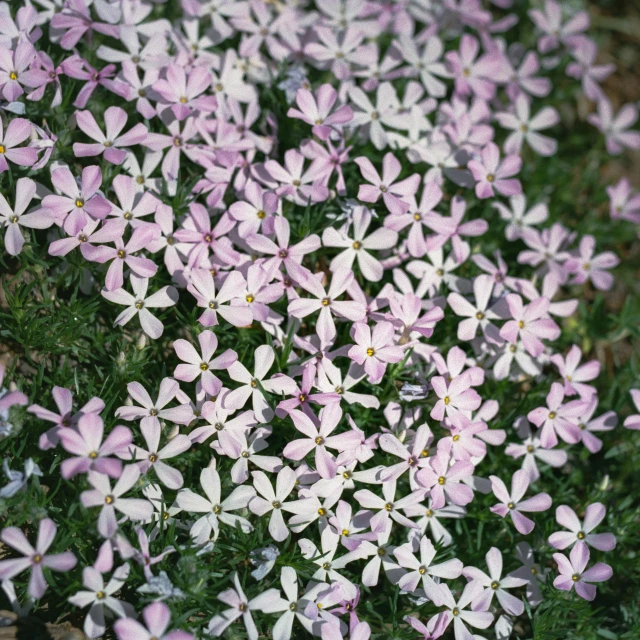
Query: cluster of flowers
x: 436, y: 96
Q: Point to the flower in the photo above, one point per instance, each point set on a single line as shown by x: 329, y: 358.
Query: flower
x: 318, y: 432
x: 358, y: 247
x: 317, y: 110
x: 200, y: 366
x: 157, y: 618
x: 512, y: 503
x: 557, y: 419
x: 493, y: 583
x: 154, y: 456
x: 392, y: 192
x: 422, y: 570
x: 139, y: 304
x: 615, y: 128
x: 99, y: 597
x: 78, y: 204
x: 374, y: 349
x: 526, y: 128
x: 276, y: 501
x: 14, y: 218
x: 215, y: 509
x: 327, y: 304
x: 111, y: 500
x: 491, y: 174
x: 91, y: 453
x: 580, y: 532
x: 458, y: 612
x: 530, y: 323
x: 588, y: 266
x: 241, y: 607
x: 111, y: 144
x: 17, y: 131
x: 35, y: 558
x: 572, y: 572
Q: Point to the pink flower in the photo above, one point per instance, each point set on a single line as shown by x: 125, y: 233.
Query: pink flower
x: 530, y: 450
x: 494, y: 583
x: 374, y: 349
x: 615, y: 127
x: 63, y: 419
x: 624, y: 202
x: 200, y: 366
x: 525, y: 128
x: 557, y: 419
x: 200, y: 238
x: 110, y: 144
x: 575, y: 375
x: 392, y: 192
x: 316, y: 110
x: 453, y: 397
x: 215, y: 509
x: 584, y: 69
x: 153, y: 412
x: 282, y: 251
x: 14, y: 70
x: 133, y: 203
x: 78, y: 68
x: 74, y: 22
x: 318, y: 438
x: 530, y: 323
x: 254, y: 386
x: 17, y: 131
x: 276, y: 501
x: 303, y: 395
x: 183, y: 94
x: 387, y: 506
x: 156, y: 618
x: 580, y: 532
x: 225, y: 301
x: 512, y: 503
x: 633, y: 422
x: 549, y: 22
x: 111, y: 500
x: 358, y: 247
x: 139, y: 304
x: 326, y: 303
x: 458, y: 612
x: 241, y: 607
x: 154, y: 456
x: 292, y: 182
x: 572, y: 572
x: 492, y: 174
x: 256, y: 211
x: 588, y: 266
x: 445, y: 481
x: 518, y: 217
x: 422, y: 570
x: 473, y: 74
x: 91, y: 453
x: 452, y: 228
x: 15, y: 218
x: 479, y: 315
x: 588, y: 427
x: 78, y: 204
x: 413, y: 457
x: 122, y: 254
x: 35, y: 558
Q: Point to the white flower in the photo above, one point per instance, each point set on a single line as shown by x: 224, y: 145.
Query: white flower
x: 140, y: 304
